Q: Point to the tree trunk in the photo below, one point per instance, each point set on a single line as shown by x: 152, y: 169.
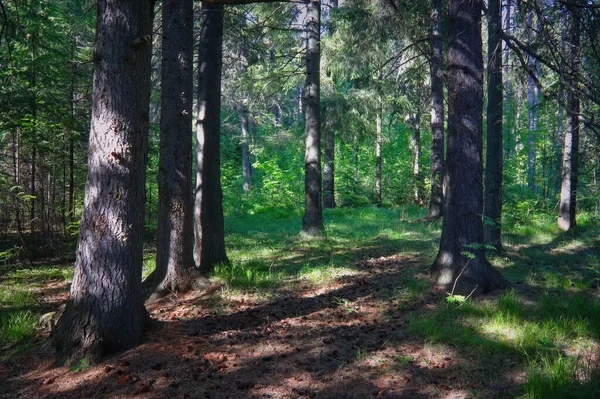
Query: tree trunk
x: 570, y: 169
x: 508, y: 25
x: 208, y: 211
x: 378, y: 148
x: 105, y: 312
x: 436, y: 203
x: 415, y: 149
x: 175, y: 269
x: 312, y: 223
x: 17, y: 189
x: 33, y: 82
x: 492, y: 203
x: 246, y: 172
x: 462, y: 227
x: 532, y: 100
x: 329, y: 169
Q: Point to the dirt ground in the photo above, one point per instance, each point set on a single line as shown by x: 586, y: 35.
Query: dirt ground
x: 346, y: 338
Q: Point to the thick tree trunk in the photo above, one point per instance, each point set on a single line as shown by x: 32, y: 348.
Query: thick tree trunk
x: 492, y: 203
x: 312, y: 223
x: 378, y: 148
x: 104, y: 312
x: 570, y: 169
x: 175, y: 269
x: 436, y: 203
x: 462, y: 228
x: 209, y: 226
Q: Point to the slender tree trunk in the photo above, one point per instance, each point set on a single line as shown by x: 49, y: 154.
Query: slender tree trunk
x: 33, y: 191
x: 492, y: 203
x: 508, y: 24
x: 312, y: 223
x: 559, y: 143
x: 175, y: 269
x: 378, y: 148
x: 462, y: 227
x: 17, y: 189
x: 246, y: 172
x: 570, y: 169
x: 104, y: 312
x: 71, y: 177
x: 532, y: 100
x: 208, y: 211
x: 329, y: 169
x: 42, y: 194
x: 33, y: 82
x: 416, y: 149
x: 436, y: 203
x: 355, y: 159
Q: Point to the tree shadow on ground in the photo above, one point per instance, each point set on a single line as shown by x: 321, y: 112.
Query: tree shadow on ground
x: 352, y: 341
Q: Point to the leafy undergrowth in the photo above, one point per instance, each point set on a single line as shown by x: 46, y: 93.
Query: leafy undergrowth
x: 352, y: 315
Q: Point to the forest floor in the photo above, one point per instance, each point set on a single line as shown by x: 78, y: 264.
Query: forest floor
x: 352, y: 315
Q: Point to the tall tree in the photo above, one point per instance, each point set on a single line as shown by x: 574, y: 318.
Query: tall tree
x: 462, y: 228
x: 378, y: 145
x: 492, y: 202
x: 104, y: 312
x: 209, y: 226
x: 312, y: 223
x: 175, y: 269
x: 436, y: 203
x: 570, y: 165
x: 532, y: 100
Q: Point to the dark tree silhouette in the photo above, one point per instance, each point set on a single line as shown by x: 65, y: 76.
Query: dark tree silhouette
x: 312, y: 223
x: 492, y: 206
x: 436, y: 203
x: 462, y: 228
x: 208, y: 212
x: 175, y: 268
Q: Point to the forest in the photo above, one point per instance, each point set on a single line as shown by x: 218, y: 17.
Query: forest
x: 300, y: 199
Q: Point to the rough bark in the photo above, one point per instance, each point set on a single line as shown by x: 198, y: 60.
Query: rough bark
x: 312, y: 223
x: 570, y: 169
x: 462, y: 227
x: 104, y: 312
x: 175, y: 269
x: 209, y: 226
x: 436, y: 203
x: 492, y: 203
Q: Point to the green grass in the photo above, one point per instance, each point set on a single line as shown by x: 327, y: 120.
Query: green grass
x: 16, y: 327
x: 547, y: 326
x: 562, y: 377
x: 17, y: 319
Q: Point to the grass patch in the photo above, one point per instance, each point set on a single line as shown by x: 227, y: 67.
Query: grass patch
x: 15, y: 327
x: 562, y: 377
